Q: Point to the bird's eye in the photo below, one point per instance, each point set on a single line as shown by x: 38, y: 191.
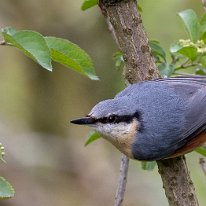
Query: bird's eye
x: 112, y: 119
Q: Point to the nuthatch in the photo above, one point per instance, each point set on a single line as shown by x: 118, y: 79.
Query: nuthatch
x: 155, y: 119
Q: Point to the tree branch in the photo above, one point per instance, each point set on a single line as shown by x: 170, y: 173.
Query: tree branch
x: 122, y: 181
x: 204, y: 4
x: 177, y: 183
x: 131, y: 38
x: 2, y: 43
x: 203, y: 165
x: 139, y: 65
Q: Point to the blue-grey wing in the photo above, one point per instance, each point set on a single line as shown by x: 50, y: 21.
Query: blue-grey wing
x: 190, y: 93
x: 193, y: 90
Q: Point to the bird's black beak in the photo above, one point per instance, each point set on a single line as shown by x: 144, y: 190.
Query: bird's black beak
x: 84, y: 120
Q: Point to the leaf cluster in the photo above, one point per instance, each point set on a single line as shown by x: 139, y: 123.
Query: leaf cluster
x: 44, y: 50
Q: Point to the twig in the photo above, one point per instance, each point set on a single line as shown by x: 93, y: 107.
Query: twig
x: 2, y: 43
x: 204, y: 4
x: 203, y: 164
x: 122, y: 181
x: 184, y: 65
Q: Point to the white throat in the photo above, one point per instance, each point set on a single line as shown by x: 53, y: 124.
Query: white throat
x: 120, y: 134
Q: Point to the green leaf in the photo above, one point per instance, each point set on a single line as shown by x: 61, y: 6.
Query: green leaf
x: 203, y: 24
x: 191, y: 23
x: 203, y: 61
x: 203, y: 20
x: 203, y: 37
x: 157, y: 50
x: 148, y: 165
x: 201, y: 150
x: 6, y: 190
x: 119, y: 60
x: 71, y: 55
x: 31, y: 44
x: 88, y: 4
x: 187, y: 51
x: 166, y: 70
x: 200, y: 71
x: 175, y: 47
x: 139, y: 7
x: 203, y: 28
x: 2, y: 152
x: 92, y: 137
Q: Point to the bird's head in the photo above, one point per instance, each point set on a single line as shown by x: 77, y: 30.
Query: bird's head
x: 115, y: 121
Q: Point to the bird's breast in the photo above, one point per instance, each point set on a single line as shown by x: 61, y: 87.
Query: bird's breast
x: 124, y: 139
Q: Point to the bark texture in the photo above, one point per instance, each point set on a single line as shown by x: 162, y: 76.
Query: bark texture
x: 132, y: 40
x: 203, y: 164
x: 126, y: 25
x: 177, y: 183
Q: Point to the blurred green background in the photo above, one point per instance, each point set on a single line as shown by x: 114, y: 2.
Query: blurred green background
x: 47, y: 162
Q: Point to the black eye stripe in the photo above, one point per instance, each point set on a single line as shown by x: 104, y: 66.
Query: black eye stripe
x: 116, y: 119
